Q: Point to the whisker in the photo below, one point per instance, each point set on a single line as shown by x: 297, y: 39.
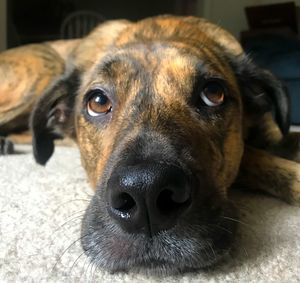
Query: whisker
x: 205, y: 249
x: 71, y: 245
x: 221, y: 228
x: 69, y: 201
x: 245, y: 251
x: 75, y: 262
x: 74, y: 214
x: 89, y: 269
x: 67, y: 222
x: 238, y: 221
x: 95, y: 267
x: 78, y: 217
x: 84, y: 269
x: 212, y: 249
x: 86, y: 252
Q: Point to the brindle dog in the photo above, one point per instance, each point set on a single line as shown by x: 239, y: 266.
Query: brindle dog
x: 168, y: 114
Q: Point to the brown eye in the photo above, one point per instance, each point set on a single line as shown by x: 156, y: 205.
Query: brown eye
x: 213, y: 94
x: 98, y: 104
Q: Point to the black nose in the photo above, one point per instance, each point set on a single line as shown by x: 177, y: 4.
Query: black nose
x: 148, y: 198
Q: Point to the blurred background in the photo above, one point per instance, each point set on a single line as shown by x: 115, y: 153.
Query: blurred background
x: 268, y: 29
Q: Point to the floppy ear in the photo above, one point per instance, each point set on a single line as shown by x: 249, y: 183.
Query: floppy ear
x: 262, y: 92
x: 53, y: 116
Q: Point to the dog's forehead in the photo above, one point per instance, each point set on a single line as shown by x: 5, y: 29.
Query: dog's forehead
x: 188, y: 29
x: 163, y: 65
x: 165, y: 38
x: 139, y: 60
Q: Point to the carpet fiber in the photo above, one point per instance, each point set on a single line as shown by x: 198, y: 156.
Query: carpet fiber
x: 40, y: 216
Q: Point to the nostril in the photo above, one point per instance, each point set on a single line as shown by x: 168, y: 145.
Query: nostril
x: 124, y: 202
x: 149, y: 197
x: 169, y: 203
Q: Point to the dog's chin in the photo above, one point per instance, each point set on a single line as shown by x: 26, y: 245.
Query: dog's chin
x: 184, y: 248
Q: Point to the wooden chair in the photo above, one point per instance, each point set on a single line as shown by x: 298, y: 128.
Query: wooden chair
x: 79, y: 24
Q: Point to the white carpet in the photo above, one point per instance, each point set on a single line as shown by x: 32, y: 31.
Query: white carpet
x: 40, y: 215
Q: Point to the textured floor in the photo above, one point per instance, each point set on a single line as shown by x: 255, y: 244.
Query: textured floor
x: 41, y: 209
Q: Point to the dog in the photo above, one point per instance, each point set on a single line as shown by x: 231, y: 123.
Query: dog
x: 168, y: 113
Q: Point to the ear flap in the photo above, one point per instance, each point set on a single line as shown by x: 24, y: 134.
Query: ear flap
x: 53, y: 116
x: 262, y: 92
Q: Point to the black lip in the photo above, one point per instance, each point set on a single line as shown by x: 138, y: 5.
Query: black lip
x: 179, y: 249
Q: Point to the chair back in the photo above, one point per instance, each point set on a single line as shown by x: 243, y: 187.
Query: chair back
x: 79, y: 24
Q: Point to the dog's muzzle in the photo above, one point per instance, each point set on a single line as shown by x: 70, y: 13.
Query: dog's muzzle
x: 148, y: 197
x: 153, y: 210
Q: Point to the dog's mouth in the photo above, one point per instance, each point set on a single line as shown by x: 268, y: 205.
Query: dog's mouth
x: 197, y: 241
x: 158, y: 216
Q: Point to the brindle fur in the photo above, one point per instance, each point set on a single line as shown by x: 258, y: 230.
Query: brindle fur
x: 152, y: 70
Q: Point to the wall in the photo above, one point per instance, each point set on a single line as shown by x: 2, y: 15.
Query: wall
x: 133, y: 10
x: 2, y: 25
x: 230, y: 13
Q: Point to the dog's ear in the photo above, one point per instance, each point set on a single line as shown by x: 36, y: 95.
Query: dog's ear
x: 262, y: 92
x: 53, y: 116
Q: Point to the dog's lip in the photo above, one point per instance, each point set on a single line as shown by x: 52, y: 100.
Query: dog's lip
x: 164, y: 264
x: 140, y: 250
x: 187, y: 245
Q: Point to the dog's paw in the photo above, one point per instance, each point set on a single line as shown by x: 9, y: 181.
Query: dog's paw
x: 294, y: 199
x: 6, y: 146
x: 293, y: 194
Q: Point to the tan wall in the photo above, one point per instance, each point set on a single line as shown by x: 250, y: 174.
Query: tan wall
x: 2, y: 25
x: 230, y: 13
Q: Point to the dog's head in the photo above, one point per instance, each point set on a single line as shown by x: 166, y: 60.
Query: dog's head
x: 159, y: 110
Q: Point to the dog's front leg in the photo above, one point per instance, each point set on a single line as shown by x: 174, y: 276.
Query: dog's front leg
x: 277, y: 176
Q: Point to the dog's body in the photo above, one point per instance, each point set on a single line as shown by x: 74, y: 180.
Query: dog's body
x: 168, y: 113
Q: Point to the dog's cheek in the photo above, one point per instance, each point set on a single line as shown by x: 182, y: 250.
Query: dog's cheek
x: 222, y: 158
x: 233, y: 147
x: 95, y: 147
x: 89, y: 149
x: 233, y: 151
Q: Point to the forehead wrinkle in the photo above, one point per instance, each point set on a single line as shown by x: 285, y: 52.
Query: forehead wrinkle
x: 179, y: 72
x: 181, y: 69
x: 137, y: 54
x: 122, y: 74
x: 212, y: 59
x: 174, y: 77
x: 220, y: 65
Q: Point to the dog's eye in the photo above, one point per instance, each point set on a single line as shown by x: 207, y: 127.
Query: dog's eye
x: 98, y: 103
x: 213, y: 94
